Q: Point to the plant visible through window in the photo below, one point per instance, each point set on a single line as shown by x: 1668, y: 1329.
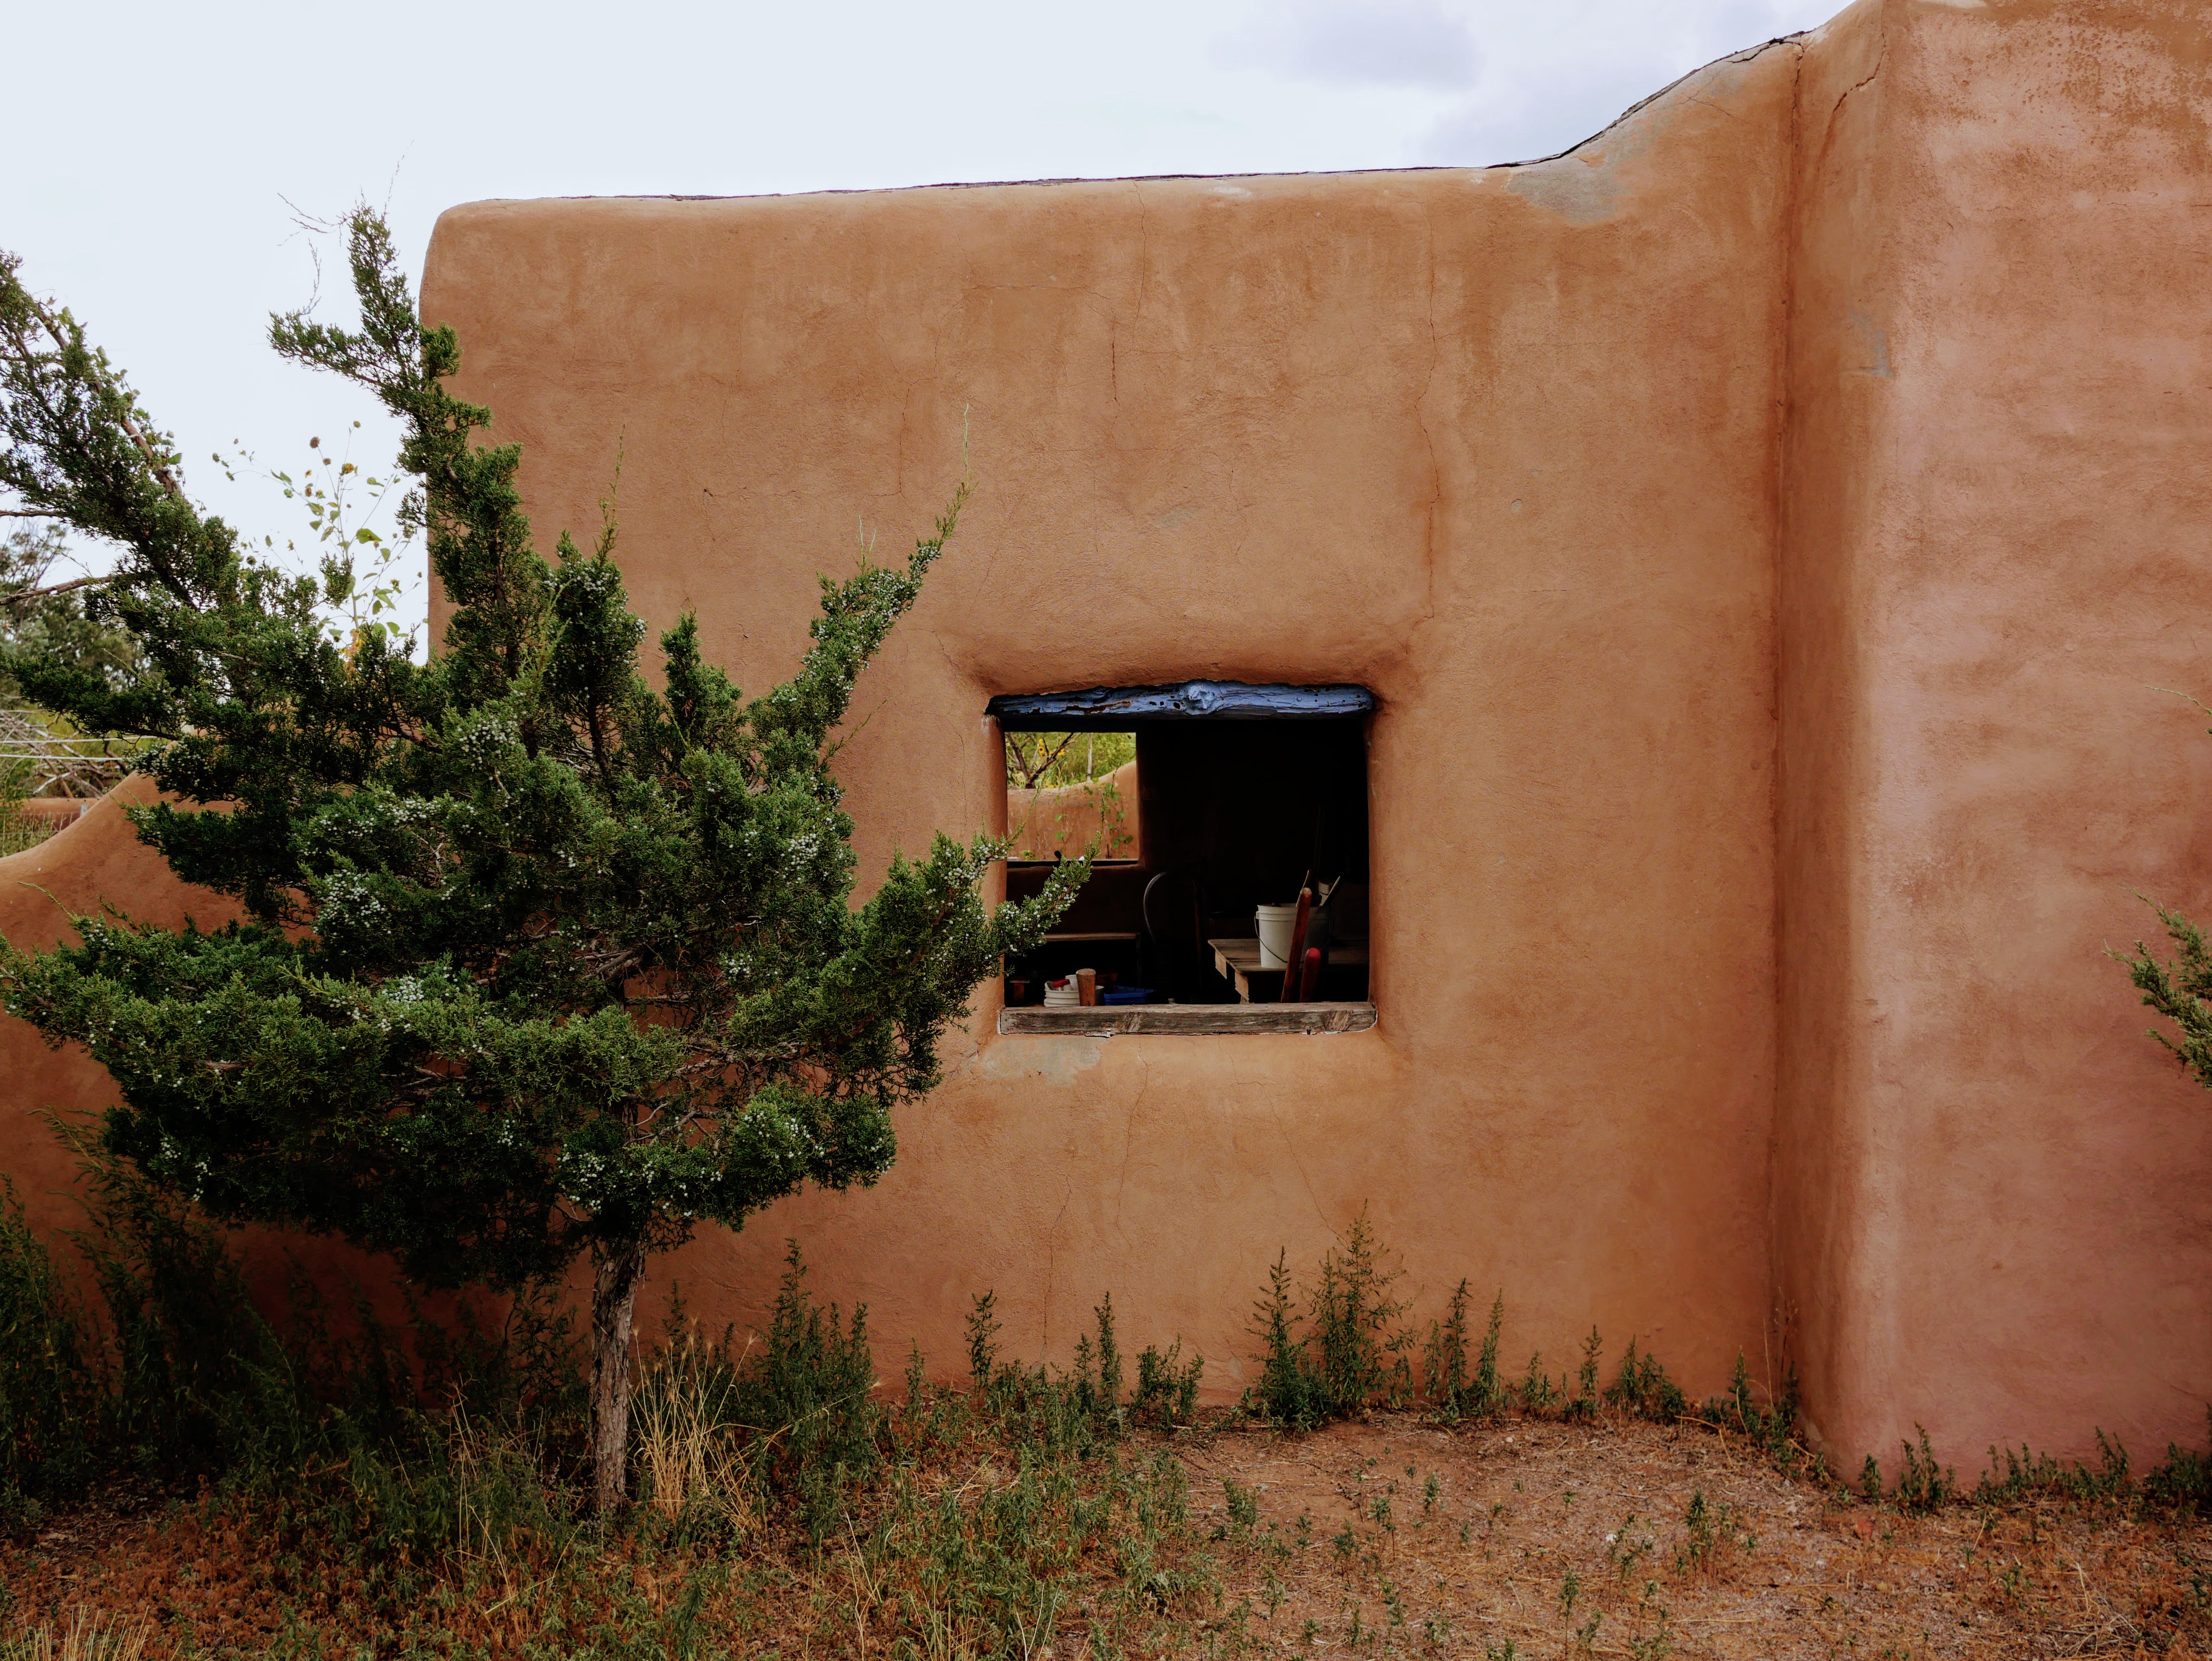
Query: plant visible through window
x: 1061, y: 796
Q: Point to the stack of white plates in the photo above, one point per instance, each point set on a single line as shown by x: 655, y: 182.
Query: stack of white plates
x: 1069, y: 996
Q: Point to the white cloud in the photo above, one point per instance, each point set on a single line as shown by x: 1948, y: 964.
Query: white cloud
x: 1377, y: 43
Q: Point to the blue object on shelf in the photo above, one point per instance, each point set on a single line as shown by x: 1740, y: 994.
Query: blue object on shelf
x: 1125, y: 995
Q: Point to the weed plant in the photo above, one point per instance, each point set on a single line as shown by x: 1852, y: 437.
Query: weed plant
x: 1341, y: 1352
x: 2180, y: 1485
x: 1333, y: 1349
x: 1643, y: 1390
x: 1923, y: 1485
x: 1712, y: 1532
x: 1454, y: 1393
x: 428, y: 1494
x: 1770, y: 1426
x: 49, y: 1394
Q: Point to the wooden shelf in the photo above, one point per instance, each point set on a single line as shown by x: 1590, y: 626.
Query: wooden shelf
x: 1238, y: 960
x: 1104, y: 1020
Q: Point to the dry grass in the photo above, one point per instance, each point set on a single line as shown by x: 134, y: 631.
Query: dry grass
x: 1517, y: 1537
x: 684, y: 1445
x: 92, y: 1635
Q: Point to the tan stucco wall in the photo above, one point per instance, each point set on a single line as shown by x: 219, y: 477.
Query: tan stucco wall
x: 97, y: 858
x: 1070, y: 818
x: 1762, y: 531
x: 1497, y: 444
x: 1990, y: 1190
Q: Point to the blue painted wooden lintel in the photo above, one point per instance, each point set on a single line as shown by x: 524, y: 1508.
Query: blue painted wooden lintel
x: 1115, y: 709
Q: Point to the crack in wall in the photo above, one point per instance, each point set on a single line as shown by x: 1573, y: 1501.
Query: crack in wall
x: 1828, y: 132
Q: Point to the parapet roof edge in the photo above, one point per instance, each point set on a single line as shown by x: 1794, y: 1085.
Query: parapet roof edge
x: 1743, y: 55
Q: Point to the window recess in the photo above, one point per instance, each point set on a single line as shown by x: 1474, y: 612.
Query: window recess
x: 1243, y: 792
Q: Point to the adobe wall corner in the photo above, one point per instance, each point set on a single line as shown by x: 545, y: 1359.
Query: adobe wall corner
x: 1988, y: 1183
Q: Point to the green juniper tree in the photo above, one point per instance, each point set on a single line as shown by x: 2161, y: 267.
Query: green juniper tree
x: 540, y: 963
x: 49, y: 620
x: 2180, y: 990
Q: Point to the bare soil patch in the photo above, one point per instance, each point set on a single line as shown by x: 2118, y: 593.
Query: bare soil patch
x: 1573, y: 1539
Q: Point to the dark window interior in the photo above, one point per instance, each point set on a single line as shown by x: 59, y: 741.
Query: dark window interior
x: 1235, y: 811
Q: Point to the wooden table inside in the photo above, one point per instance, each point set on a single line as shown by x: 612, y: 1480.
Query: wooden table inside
x: 1238, y: 960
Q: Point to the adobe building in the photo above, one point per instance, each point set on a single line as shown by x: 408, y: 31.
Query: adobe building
x: 1759, y: 536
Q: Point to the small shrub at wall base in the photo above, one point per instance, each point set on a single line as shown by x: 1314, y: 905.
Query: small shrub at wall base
x: 48, y: 1395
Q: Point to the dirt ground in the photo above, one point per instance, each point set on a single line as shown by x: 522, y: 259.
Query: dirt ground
x: 1507, y: 1541
x: 1570, y: 1540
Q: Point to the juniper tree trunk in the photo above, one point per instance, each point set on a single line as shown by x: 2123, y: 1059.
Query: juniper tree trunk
x: 615, y: 1278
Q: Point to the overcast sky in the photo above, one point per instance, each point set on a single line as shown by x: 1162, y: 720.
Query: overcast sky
x: 154, y: 148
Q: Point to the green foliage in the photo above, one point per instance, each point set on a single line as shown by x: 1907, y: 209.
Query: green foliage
x: 2179, y: 990
x: 1336, y: 1349
x: 1042, y: 761
x: 49, y: 1392
x: 184, y: 1377
x: 1097, y: 1374
x: 361, y: 589
x: 42, y: 754
x: 786, y: 1419
x: 1772, y: 1428
x: 1534, y: 1391
x: 1341, y: 1355
x: 1242, y: 1505
x: 807, y: 1392
x: 981, y: 1524
x: 1167, y: 1386
x: 1080, y: 1411
x: 51, y: 620
x: 542, y: 961
x: 1584, y: 1404
x: 1353, y: 1314
x: 202, y: 1380
x: 1488, y: 1393
x: 1454, y: 1392
x: 2180, y: 1484
x: 1291, y: 1393
x: 1923, y: 1485
x: 1642, y: 1388
x: 982, y: 1340
x: 1444, y: 1360
x: 1710, y: 1531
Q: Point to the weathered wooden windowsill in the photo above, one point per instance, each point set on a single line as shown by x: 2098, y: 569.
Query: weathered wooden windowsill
x: 1158, y: 1019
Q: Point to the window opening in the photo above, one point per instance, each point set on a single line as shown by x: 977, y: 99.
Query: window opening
x: 1220, y: 801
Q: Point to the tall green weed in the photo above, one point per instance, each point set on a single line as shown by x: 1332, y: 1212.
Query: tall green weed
x: 50, y: 1392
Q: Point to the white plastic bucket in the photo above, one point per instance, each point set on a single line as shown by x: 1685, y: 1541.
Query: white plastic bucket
x: 1274, y: 924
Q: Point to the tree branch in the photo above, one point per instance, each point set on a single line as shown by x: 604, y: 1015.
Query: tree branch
x: 22, y: 594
